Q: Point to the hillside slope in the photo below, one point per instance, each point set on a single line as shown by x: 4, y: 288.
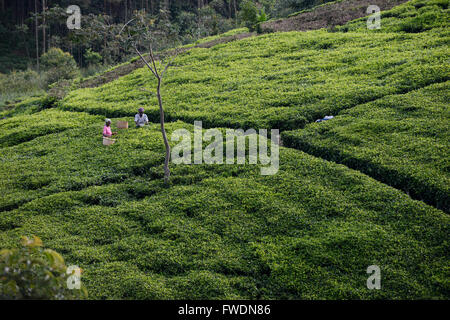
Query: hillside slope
x: 287, y: 80
x: 323, y: 16
x: 328, y: 15
x: 226, y: 231
x: 219, y: 231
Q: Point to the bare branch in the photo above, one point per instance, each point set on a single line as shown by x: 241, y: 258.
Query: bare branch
x: 125, y: 25
x: 145, y: 61
x: 153, y: 61
x: 142, y: 89
x: 169, y: 63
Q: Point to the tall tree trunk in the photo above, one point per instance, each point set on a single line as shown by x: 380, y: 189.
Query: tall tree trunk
x: 43, y: 27
x: 163, y: 131
x: 25, y: 44
x: 235, y: 12
x: 159, y: 75
x: 37, y: 34
x: 126, y: 10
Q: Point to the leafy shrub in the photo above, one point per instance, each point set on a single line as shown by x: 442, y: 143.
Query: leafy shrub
x: 424, y: 21
x: 249, y: 14
x: 26, y: 127
x: 413, y: 16
x: 31, y: 272
x: 92, y: 57
x: 225, y: 231
x: 58, y: 65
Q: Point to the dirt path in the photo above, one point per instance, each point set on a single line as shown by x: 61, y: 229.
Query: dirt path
x: 328, y: 15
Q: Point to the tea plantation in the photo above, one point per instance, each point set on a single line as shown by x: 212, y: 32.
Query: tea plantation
x: 369, y: 187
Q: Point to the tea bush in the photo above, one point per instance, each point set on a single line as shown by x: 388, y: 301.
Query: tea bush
x: 219, y: 231
x: 224, y: 231
x: 26, y: 127
x: 411, y: 17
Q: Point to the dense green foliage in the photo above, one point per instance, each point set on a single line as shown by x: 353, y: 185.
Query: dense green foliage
x: 17, y: 84
x: 27, y: 127
x: 30, y: 272
x: 58, y: 65
x: 176, y: 21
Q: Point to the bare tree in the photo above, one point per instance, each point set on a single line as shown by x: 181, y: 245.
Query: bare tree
x: 133, y: 39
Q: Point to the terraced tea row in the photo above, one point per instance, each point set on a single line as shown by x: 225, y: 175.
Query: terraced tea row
x: 277, y: 80
x: 402, y: 140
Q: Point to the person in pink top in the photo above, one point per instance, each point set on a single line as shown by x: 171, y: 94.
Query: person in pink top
x: 107, y: 132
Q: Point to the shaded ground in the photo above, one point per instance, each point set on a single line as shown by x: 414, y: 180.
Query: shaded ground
x: 329, y: 15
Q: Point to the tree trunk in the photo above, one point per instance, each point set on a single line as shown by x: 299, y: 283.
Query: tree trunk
x: 126, y: 10
x: 37, y: 35
x: 166, y: 7
x: 43, y: 27
x: 158, y: 75
x: 235, y: 12
x: 25, y: 44
x: 163, y: 131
